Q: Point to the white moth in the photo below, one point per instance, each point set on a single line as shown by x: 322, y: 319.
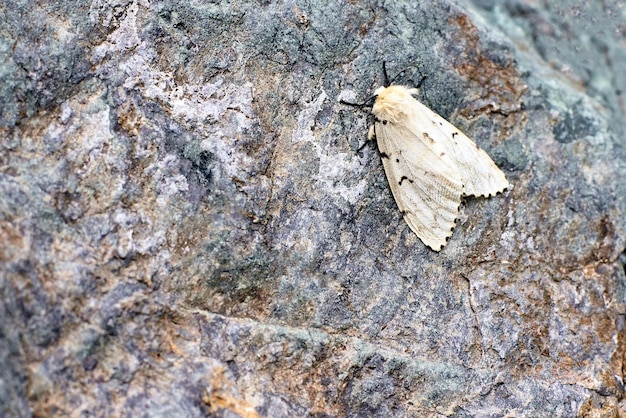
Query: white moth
x: 430, y: 164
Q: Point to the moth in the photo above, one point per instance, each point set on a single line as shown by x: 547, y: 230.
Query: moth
x: 430, y: 164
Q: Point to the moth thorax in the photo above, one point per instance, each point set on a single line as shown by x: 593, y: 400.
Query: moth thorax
x: 388, y: 110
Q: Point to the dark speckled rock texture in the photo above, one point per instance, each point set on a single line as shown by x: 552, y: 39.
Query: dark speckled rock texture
x: 187, y: 227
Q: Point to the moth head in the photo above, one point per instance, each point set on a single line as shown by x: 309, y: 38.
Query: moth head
x: 391, y: 102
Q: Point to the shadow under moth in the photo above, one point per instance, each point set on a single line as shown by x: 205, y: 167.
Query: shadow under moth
x: 430, y: 164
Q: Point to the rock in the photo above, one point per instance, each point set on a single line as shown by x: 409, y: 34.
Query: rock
x: 188, y: 227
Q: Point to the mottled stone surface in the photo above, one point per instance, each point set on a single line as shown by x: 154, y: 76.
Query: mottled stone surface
x: 187, y: 228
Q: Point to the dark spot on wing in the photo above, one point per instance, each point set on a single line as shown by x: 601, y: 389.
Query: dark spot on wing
x: 442, y: 154
x: 384, y: 155
x: 477, y: 147
x: 454, y: 133
x: 428, y: 138
x: 404, y: 178
x: 397, y: 160
x: 384, y: 122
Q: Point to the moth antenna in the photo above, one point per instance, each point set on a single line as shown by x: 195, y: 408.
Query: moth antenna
x: 359, y: 105
x: 397, y: 75
x: 419, y: 83
x: 387, y: 82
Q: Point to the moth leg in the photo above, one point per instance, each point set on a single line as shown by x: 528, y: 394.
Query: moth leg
x: 371, y: 134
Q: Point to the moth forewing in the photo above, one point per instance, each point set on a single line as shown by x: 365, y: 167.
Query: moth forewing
x: 480, y: 175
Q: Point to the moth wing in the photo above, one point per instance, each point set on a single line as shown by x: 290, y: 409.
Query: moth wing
x: 426, y: 186
x: 480, y: 175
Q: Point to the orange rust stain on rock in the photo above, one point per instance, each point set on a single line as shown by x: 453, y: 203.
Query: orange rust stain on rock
x: 221, y: 396
x: 605, y: 328
x: 14, y: 242
x: 131, y: 119
x: 618, y: 359
x: 600, y: 406
x: 499, y: 84
x: 607, y: 239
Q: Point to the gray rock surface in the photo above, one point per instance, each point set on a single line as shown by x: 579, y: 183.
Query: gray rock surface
x: 187, y: 228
